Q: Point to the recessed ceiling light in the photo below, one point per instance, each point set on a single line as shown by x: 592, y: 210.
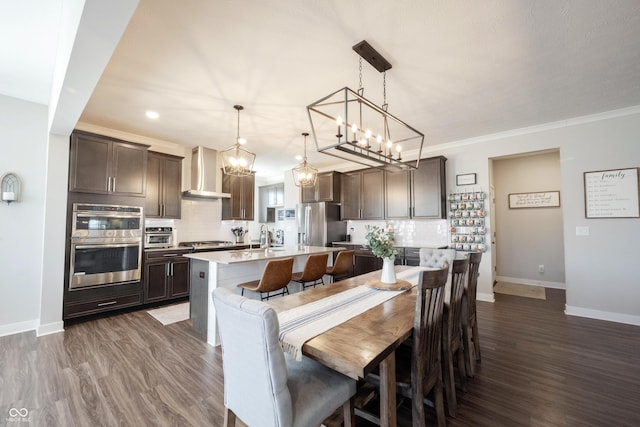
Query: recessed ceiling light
x: 152, y: 114
x: 298, y: 157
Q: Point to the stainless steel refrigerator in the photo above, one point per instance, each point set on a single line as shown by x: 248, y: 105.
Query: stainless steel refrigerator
x: 319, y: 224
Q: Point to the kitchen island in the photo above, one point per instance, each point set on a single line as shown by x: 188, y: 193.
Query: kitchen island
x: 211, y: 270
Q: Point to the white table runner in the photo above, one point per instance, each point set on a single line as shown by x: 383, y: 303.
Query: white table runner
x: 300, y: 324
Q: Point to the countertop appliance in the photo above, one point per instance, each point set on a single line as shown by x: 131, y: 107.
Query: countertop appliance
x: 319, y: 224
x: 158, y: 237
x: 106, y: 245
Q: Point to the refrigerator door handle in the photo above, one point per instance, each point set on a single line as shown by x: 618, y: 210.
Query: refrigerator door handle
x: 307, y: 224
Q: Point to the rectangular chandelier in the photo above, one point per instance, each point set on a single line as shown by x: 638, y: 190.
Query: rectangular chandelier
x: 348, y: 126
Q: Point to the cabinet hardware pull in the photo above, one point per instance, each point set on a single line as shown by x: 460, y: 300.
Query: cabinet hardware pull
x: 114, y: 185
x: 102, y: 304
x: 170, y: 255
x: 171, y: 270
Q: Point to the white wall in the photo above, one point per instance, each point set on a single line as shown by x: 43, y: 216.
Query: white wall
x: 23, y: 132
x: 600, y: 274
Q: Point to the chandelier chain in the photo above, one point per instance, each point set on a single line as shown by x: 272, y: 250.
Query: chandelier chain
x: 384, y: 89
x: 360, y: 73
x: 238, y: 131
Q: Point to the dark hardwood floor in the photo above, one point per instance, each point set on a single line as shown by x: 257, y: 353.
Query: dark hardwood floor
x: 539, y: 368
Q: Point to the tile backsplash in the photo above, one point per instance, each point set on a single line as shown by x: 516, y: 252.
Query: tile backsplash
x: 202, y: 220
x: 409, y: 233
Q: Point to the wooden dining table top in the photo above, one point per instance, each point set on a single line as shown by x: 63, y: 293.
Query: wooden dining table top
x: 360, y: 344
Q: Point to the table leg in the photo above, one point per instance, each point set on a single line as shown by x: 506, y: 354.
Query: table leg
x: 388, y: 391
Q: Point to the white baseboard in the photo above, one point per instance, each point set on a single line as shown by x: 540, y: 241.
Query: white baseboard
x: 629, y: 319
x: 554, y: 285
x: 16, y: 328
x: 49, y: 328
x: 485, y: 297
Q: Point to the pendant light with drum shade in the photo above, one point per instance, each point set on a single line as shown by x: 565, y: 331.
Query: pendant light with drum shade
x: 305, y: 175
x: 237, y: 160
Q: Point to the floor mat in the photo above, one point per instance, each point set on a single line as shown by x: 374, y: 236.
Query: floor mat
x: 171, y: 314
x: 520, y: 290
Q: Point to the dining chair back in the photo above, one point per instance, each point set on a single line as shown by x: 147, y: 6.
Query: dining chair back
x: 452, y: 343
x: 275, y: 277
x: 436, y: 258
x: 342, y: 266
x: 262, y: 385
x: 418, y: 367
x: 313, y: 272
x: 470, y: 333
x: 426, y: 367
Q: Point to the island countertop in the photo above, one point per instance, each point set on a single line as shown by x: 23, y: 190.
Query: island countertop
x: 211, y: 270
x: 251, y: 255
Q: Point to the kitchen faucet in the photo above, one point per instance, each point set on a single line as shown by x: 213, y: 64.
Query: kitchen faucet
x: 264, y: 230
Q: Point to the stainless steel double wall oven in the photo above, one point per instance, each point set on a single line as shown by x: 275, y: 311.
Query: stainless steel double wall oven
x: 106, y: 245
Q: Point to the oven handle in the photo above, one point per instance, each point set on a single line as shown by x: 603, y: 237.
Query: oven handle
x: 109, y: 245
x: 108, y: 214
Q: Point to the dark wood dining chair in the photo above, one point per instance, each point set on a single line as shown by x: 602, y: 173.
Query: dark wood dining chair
x: 342, y: 266
x: 313, y: 272
x: 275, y: 277
x: 418, y: 367
x: 263, y: 386
x: 469, y: 319
x: 452, y: 342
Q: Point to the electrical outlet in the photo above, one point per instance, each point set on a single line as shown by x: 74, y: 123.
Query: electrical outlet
x: 541, y: 269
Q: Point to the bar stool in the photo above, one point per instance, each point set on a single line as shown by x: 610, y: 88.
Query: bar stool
x: 313, y: 271
x: 342, y: 266
x: 276, y: 276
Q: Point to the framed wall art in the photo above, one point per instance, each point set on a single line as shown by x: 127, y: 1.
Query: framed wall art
x: 541, y: 199
x: 466, y: 179
x: 611, y: 193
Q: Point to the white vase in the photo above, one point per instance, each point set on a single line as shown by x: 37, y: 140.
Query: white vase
x: 388, y: 272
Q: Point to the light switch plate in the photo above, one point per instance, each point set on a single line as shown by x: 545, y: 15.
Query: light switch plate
x: 582, y: 231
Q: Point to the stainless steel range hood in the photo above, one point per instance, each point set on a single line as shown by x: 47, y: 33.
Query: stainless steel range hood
x: 204, y: 164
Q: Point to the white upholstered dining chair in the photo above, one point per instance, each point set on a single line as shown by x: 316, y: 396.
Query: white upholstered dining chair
x: 436, y: 258
x: 263, y: 386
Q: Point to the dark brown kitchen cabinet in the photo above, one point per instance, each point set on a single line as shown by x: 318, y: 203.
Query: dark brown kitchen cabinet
x: 417, y: 193
x: 104, y: 165
x: 363, y: 194
x: 240, y: 205
x: 365, y: 261
x: 326, y: 189
x: 428, y: 192
x: 164, y: 185
x: 166, y: 275
x: 397, y: 200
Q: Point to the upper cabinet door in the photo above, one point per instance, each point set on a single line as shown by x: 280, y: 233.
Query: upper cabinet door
x: 104, y: 165
x: 428, y: 192
x: 372, y: 196
x: 153, y: 199
x: 171, y: 187
x: 90, y: 171
x: 397, y: 201
x: 129, y: 170
x: 351, y: 185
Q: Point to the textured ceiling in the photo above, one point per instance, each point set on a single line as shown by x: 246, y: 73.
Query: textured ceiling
x: 460, y: 68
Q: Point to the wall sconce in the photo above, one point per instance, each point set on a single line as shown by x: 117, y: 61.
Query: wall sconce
x: 10, y: 188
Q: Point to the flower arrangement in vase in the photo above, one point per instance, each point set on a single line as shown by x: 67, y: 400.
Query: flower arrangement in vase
x: 380, y: 241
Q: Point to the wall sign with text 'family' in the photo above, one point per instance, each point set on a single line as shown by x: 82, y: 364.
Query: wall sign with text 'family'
x: 611, y: 194
x: 543, y: 199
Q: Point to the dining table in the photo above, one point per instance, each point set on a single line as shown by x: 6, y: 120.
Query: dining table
x: 362, y: 343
